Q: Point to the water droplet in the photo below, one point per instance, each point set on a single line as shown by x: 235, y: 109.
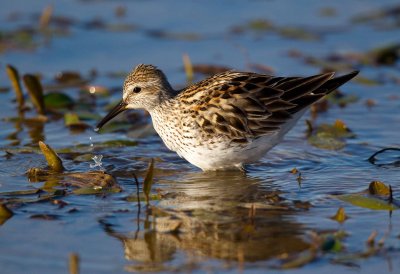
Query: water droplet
x: 97, y: 161
x: 91, y: 141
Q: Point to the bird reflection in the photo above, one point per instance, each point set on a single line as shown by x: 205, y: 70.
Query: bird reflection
x: 226, y: 216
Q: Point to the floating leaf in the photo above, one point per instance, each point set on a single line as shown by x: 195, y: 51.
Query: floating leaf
x: 72, y: 121
x: 367, y: 202
x: 148, y: 181
x: 52, y: 158
x: 260, y: 25
x: 41, y: 198
x: 330, y: 136
x: 88, y: 115
x: 20, y: 192
x: 378, y: 188
x: 57, y: 100
x: 35, y: 91
x: 340, y: 215
x: 339, y: 129
x: 15, y: 81
x: 325, y: 141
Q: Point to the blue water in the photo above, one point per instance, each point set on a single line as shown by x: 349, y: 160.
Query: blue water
x: 110, y: 234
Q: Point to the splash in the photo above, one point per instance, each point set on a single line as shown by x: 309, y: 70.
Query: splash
x: 97, y: 161
x: 96, y: 158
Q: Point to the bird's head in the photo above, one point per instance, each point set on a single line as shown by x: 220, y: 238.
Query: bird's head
x: 144, y: 88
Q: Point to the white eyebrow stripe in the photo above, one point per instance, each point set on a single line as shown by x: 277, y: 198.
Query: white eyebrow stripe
x: 130, y: 87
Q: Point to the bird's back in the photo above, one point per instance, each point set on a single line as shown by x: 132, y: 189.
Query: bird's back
x: 244, y: 105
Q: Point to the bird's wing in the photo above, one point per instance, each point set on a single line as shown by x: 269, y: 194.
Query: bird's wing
x: 249, y: 105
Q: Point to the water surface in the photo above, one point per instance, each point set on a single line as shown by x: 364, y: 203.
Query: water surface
x: 197, y: 222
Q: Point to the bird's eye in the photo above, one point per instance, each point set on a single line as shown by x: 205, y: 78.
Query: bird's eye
x: 137, y: 89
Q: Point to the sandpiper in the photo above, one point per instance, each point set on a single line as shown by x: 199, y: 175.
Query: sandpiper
x: 227, y: 120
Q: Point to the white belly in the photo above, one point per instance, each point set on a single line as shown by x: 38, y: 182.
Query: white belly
x: 228, y: 156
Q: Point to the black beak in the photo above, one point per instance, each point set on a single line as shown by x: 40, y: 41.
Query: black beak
x: 114, y: 112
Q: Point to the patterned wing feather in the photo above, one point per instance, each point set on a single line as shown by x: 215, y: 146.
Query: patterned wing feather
x: 249, y: 105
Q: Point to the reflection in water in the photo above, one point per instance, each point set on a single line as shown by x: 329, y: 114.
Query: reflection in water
x: 18, y: 128
x: 34, y: 126
x: 35, y: 129
x: 224, y: 216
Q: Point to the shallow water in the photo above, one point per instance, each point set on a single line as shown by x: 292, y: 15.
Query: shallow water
x: 214, y: 222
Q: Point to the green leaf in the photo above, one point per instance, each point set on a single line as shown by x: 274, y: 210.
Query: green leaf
x: 330, y: 137
x: 57, y: 100
x: 88, y: 115
x: 326, y: 142
x: 52, y: 158
x: 15, y: 81
x: 35, y: 91
x: 72, y: 120
x: 148, y: 181
x: 367, y: 202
